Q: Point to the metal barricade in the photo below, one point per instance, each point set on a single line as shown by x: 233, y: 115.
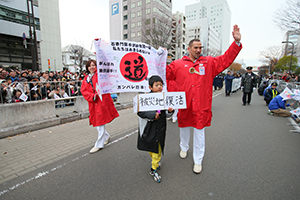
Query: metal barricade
x: 39, y: 90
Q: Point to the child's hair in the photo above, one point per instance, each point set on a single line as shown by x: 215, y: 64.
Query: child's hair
x: 154, y: 79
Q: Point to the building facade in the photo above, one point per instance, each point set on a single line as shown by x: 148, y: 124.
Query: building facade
x: 209, y: 38
x: 50, y: 44
x: 21, y: 48
x: 293, y: 44
x: 178, y: 48
x: 218, y: 16
x: 141, y: 20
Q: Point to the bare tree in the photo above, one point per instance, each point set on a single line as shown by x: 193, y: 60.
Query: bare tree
x: 271, y: 56
x: 157, y: 32
x: 79, y: 54
x: 288, y: 18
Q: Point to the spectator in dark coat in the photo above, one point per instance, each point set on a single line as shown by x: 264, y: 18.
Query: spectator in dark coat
x: 228, y: 83
x: 46, y: 89
x: 271, y: 93
x: 248, y: 85
x: 12, y: 75
x: 218, y: 81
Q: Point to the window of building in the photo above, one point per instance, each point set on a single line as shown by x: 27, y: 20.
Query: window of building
x: 132, y: 35
x: 132, y: 15
x: 139, y: 13
x: 125, y: 17
x: 139, y: 33
x: 132, y: 25
x: 125, y: 8
x: 139, y: 23
x: 125, y: 36
x: 148, y: 10
x: 139, y: 3
x: 148, y: 1
x: 125, y: 27
x: 147, y: 21
x: 133, y: 5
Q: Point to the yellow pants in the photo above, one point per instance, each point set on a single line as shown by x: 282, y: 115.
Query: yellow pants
x: 155, y: 157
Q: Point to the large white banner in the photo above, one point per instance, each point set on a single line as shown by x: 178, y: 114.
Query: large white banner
x: 125, y: 66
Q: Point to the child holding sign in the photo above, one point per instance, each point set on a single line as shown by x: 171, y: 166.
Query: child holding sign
x: 152, y: 130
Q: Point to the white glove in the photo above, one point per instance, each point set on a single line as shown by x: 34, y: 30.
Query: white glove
x: 242, y: 87
x: 254, y: 88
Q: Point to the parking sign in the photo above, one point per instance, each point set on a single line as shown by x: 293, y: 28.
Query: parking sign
x: 115, y: 9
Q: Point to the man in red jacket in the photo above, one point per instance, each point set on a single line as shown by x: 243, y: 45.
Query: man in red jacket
x: 194, y: 74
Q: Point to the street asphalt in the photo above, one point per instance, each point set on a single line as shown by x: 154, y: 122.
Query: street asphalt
x: 249, y: 155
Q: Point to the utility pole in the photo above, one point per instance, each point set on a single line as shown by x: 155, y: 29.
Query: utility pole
x: 35, y: 39
x: 31, y: 40
x: 291, y: 55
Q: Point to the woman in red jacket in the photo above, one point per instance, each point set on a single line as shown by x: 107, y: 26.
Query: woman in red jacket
x: 101, y: 111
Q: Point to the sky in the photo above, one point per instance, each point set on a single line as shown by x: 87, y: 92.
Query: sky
x: 81, y: 23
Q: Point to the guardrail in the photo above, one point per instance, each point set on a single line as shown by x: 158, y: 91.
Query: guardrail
x: 39, y: 90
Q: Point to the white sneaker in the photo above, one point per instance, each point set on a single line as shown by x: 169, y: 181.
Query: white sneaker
x: 183, y: 154
x: 173, y: 120
x: 197, y: 168
x: 106, y: 142
x: 94, y: 149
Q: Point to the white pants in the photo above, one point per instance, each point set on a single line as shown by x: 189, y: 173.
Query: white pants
x: 174, y: 116
x: 102, y: 136
x: 198, y: 143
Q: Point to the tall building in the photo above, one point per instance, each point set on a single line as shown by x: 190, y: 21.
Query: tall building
x: 218, y: 15
x: 17, y: 49
x: 50, y: 36
x: 293, y: 43
x: 210, y: 39
x: 178, y: 48
x: 135, y: 20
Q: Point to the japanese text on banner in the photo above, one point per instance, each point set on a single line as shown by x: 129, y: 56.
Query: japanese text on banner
x: 125, y: 66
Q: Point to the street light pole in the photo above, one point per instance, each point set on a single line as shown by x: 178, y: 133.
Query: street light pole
x: 291, y: 55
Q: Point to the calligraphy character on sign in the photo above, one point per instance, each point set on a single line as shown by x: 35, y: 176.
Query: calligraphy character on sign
x: 101, y: 111
x: 152, y: 130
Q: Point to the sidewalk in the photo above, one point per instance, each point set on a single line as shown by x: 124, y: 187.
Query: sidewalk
x: 29, y: 151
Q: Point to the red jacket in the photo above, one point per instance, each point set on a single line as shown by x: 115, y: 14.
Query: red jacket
x: 198, y: 88
x: 101, y: 112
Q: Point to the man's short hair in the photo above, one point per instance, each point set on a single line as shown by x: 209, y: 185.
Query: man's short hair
x: 154, y: 79
x: 193, y: 40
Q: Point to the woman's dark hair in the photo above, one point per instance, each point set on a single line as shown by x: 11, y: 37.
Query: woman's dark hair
x: 154, y: 79
x: 88, y: 63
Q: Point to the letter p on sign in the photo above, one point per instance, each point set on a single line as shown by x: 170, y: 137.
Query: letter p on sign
x: 115, y: 9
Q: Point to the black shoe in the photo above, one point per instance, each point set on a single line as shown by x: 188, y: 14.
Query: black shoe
x: 244, y: 104
x: 156, y: 176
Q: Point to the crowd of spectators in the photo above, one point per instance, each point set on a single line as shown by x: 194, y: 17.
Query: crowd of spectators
x: 28, y: 85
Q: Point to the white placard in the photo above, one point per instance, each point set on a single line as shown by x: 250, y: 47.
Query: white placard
x: 236, y: 84
x: 159, y: 101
